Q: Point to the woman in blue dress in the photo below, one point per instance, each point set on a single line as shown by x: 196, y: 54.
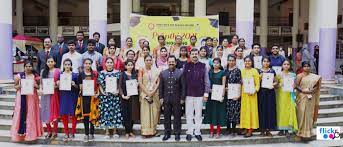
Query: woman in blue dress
x: 68, y: 100
x: 110, y: 108
x: 267, y: 101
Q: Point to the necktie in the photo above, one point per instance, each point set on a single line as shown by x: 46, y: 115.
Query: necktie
x: 60, y: 49
x: 47, y: 55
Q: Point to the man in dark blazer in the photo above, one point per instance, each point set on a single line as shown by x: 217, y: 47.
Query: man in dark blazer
x: 172, y: 95
x: 44, y: 53
x: 99, y: 47
x: 81, y: 44
x: 60, y: 48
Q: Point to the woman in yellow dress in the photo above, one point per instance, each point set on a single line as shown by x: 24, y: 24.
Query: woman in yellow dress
x: 250, y: 87
x: 148, y: 78
x: 308, y: 91
x: 286, y: 116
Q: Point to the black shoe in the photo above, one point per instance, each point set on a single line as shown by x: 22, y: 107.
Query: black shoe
x: 166, y: 137
x: 189, y: 137
x: 198, y: 137
x: 177, y: 137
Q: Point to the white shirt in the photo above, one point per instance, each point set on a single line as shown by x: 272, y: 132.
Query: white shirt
x: 76, y: 59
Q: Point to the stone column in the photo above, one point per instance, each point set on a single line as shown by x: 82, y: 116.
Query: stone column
x: 125, y: 10
x: 200, y: 8
x: 313, y: 25
x: 264, y: 23
x: 136, y: 6
x: 6, y: 55
x: 185, y: 8
x: 53, y: 20
x: 98, y: 19
x: 295, y: 27
x: 19, y: 17
x: 327, y: 38
x: 245, y: 20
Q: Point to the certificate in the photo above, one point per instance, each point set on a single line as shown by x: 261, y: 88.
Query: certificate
x: 48, y: 86
x: 131, y: 87
x: 111, y: 85
x: 277, y: 69
x: 88, y: 88
x: 287, y: 84
x: 249, y: 85
x: 267, y: 80
x: 27, y: 86
x: 217, y: 92
x: 233, y: 91
x: 65, y: 82
x: 240, y: 63
x: 258, y: 62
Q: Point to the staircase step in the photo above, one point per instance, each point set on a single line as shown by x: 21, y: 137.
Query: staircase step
x: 157, y: 141
x: 7, y: 97
x: 331, y: 104
x: 327, y: 113
x: 329, y: 97
x: 331, y: 121
x: 6, y: 105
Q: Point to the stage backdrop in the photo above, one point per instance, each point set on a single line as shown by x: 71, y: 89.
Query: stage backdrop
x: 149, y: 27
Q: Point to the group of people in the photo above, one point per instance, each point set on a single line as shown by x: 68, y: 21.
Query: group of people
x: 237, y: 86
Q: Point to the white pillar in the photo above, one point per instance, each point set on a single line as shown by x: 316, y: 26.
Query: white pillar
x: 136, y: 6
x: 245, y: 20
x: 200, y: 8
x: 6, y: 40
x: 125, y: 10
x: 264, y: 23
x: 19, y: 17
x: 327, y: 38
x: 295, y: 27
x: 185, y: 8
x: 53, y: 19
x: 313, y: 25
x: 98, y: 19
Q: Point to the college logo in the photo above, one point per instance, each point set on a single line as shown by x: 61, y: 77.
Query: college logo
x: 328, y: 133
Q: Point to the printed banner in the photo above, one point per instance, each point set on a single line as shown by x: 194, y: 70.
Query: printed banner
x: 150, y: 27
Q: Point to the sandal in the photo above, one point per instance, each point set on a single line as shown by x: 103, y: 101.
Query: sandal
x: 66, y: 138
x: 54, y: 136
x: 217, y: 135
x: 132, y: 135
x: 247, y: 135
x: 211, y: 135
x: 48, y: 136
x: 269, y: 134
x: 281, y: 133
x: 127, y: 136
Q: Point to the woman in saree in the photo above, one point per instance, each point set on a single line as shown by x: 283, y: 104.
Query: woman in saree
x: 308, y: 91
x: 148, y: 79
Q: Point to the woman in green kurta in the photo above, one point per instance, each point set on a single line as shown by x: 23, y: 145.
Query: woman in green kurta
x: 285, y: 102
x: 215, y: 113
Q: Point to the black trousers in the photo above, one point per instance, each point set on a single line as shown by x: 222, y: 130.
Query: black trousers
x: 172, y: 108
x: 127, y: 115
x: 89, y: 127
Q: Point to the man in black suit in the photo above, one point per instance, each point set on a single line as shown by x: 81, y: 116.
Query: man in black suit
x: 172, y: 95
x: 60, y: 48
x: 81, y: 44
x: 44, y: 53
x: 99, y: 47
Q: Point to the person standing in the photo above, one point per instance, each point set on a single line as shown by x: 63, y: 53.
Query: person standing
x: 193, y: 41
x: 234, y: 44
x: 161, y: 61
x: 197, y: 89
x: 110, y: 108
x: 99, y: 47
x: 94, y: 55
x: 130, y: 104
x: 233, y: 106
x: 26, y: 125
x: 250, y: 87
x: 183, y: 58
x: 215, y: 110
x: 68, y: 100
x: 43, y: 55
x: 60, y: 48
x: 175, y: 49
x: 172, y: 95
x: 148, y: 78
x: 276, y: 59
x: 286, y: 114
x: 74, y: 56
x: 308, y: 87
x: 256, y: 56
x: 267, y: 100
x: 87, y: 106
x: 81, y: 45
x: 161, y: 43
x: 118, y: 62
x: 50, y: 103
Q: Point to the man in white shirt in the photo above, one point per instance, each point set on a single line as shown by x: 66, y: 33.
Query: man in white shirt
x: 74, y: 56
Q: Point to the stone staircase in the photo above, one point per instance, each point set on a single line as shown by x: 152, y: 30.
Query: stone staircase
x: 330, y: 114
